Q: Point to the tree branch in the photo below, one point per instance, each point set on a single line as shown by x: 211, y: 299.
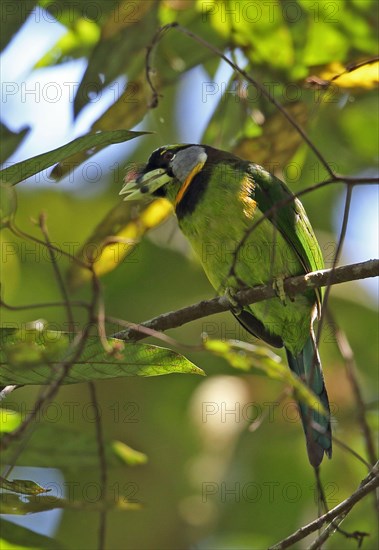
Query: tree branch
x: 292, y: 286
x: 338, y: 513
x: 351, y: 371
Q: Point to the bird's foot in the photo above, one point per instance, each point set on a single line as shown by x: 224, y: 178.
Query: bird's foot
x: 235, y: 306
x: 278, y: 286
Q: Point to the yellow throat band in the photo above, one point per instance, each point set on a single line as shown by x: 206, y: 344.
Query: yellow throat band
x: 187, y: 182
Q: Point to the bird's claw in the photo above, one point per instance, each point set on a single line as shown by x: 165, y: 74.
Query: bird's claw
x: 235, y: 306
x: 278, y: 286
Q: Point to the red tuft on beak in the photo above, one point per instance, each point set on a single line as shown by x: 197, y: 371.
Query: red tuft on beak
x: 133, y: 171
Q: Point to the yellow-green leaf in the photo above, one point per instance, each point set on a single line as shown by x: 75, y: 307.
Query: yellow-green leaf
x: 248, y: 357
x: 77, y: 42
x: 115, y: 238
x: 22, y: 486
x: 360, y: 76
x: 9, y: 420
x: 14, y: 504
x: 127, y: 455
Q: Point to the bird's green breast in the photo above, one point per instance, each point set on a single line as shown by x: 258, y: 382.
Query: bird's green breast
x: 234, y: 253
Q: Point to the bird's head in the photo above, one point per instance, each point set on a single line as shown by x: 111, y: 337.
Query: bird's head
x: 168, y: 173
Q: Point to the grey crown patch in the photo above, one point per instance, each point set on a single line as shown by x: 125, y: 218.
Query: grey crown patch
x: 186, y: 160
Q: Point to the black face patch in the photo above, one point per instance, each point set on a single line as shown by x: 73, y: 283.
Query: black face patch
x: 193, y: 195
x: 160, y: 192
x: 158, y: 160
x: 161, y: 158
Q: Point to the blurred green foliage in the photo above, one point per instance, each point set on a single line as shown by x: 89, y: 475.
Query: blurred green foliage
x: 209, y: 482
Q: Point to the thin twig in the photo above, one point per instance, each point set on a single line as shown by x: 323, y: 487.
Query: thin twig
x: 20, y: 233
x: 103, y: 465
x: 341, y: 240
x: 77, y: 303
x: 58, y: 275
x: 332, y: 528
x: 357, y: 180
x: 16, y: 453
x: 272, y: 212
x: 61, y: 370
x: 351, y: 451
x: 153, y: 333
x: 99, y: 318
x: 369, y: 484
x: 351, y: 372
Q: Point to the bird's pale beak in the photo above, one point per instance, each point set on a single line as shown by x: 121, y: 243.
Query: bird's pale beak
x: 145, y: 184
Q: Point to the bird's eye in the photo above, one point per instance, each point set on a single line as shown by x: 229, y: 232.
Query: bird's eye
x: 168, y: 155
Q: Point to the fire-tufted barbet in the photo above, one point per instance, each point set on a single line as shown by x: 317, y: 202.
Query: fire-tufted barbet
x: 218, y: 200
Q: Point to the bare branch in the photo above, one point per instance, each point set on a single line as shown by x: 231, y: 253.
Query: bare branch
x: 102, y: 463
x: 332, y: 528
x: 292, y: 286
x: 338, y: 513
x: 341, y: 239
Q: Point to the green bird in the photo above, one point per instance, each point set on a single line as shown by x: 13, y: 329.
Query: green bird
x: 219, y: 201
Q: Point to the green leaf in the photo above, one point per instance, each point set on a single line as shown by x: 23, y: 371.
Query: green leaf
x: 115, y: 53
x: 36, y: 357
x: 10, y: 141
x: 68, y: 13
x: 128, y: 109
x: 177, y: 55
x: 257, y: 359
x: 77, y: 42
x: 325, y: 43
x: 255, y: 28
x: 22, y: 486
x: 14, y: 504
x: 22, y: 170
x: 15, y: 537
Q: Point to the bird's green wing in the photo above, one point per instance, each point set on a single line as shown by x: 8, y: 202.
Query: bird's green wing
x: 290, y: 218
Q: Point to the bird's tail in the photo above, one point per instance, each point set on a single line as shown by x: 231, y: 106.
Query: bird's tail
x: 316, y: 425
